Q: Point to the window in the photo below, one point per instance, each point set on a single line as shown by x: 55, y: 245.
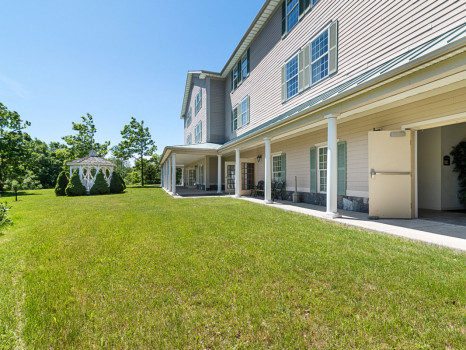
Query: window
x: 240, y: 114
x: 189, y: 139
x: 188, y: 117
x: 198, y: 133
x: 292, y: 14
x: 319, y: 57
x: 292, y: 77
x: 292, y: 10
x: 314, y: 62
x: 240, y: 71
x: 191, y: 177
x: 277, y: 168
x: 247, y: 175
x: 198, y: 102
x: 322, y: 171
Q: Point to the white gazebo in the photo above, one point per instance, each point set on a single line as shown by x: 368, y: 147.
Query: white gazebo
x: 89, y: 167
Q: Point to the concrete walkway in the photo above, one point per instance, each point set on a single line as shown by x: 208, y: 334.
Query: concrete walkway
x: 443, y: 234
x: 433, y: 232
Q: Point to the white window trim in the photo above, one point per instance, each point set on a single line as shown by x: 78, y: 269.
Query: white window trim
x: 238, y: 117
x: 197, y: 101
x: 327, y: 28
x: 288, y: 14
x: 318, y: 168
x: 281, y: 165
x: 287, y: 80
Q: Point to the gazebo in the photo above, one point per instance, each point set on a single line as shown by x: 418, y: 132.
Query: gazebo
x: 89, y: 167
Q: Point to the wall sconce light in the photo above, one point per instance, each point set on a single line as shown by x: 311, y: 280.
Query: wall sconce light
x: 259, y: 157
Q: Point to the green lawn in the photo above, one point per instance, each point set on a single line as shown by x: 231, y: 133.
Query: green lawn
x: 142, y: 270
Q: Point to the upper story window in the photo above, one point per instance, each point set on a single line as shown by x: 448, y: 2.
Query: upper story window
x: 319, y: 57
x: 240, y: 114
x: 292, y: 77
x: 316, y: 61
x: 292, y: 11
x: 189, y: 139
x: 240, y: 71
x: 198, y: 102
x: 198, y: 133
x: 188, y: 117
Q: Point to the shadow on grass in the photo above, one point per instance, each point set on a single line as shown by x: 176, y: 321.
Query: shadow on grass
x: 20, y: 194
x: 145, y: 186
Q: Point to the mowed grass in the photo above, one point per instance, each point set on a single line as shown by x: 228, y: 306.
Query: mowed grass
x: 142, y: 270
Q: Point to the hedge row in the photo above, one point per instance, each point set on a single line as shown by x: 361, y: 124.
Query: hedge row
x: 74, y: 187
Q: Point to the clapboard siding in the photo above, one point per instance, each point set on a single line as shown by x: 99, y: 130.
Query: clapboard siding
x: 370, y: 33
x: 216, y: 105
x: 198, y: 84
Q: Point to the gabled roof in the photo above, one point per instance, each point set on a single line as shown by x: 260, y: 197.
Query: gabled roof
x: 254, y: 29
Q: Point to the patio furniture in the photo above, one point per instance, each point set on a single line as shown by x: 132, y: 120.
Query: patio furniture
x: 279, y: 191
x: 258, y: 190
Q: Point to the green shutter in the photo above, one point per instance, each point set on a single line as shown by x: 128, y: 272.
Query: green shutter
x: 341, y: 153
x: 283, y: 17
x: 249, y: 65
x: 301, y: 7
x: 232, y: 123
x: 239, y: 122
x: 313, y: 171
x: 306, y: 66
x: 248, y: 109
x: 283, y: 170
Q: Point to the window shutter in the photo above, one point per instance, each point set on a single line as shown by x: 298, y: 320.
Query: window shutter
x: 232, y: 122
x: 341, y: 153
x: 200, y: 132
x: 238, y: 116
x: 231, y: 77
x: 306, y: 66
x: 313, y: 171
x: 248, y: 108
x: 249, y: 65
x: 283, y: 17
x: 284, y: 83
x: 239, y: 71
x: 300, y: 70
x: 301, y: 7
x: 283, y: 170
x: 333, y: 48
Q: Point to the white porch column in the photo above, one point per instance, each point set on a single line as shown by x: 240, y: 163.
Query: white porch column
x: 237, y: 173
x: 182, y: 176
x: 173, y: 173
x: 163, y: 176
x: 332, y: 168
x: 169, y: 178
x: 268, y: 172
x: 162, y: 180
x: 219, y: 174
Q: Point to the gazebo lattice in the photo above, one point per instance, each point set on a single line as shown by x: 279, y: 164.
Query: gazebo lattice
x: 88, y: 168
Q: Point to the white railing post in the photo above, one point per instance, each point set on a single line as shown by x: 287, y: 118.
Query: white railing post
x: 219, y: 174
x: 237, y: 173
x: 332, y: 168
x: 268, y: 172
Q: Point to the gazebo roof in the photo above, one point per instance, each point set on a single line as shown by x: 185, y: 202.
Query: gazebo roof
x: 92, y: 159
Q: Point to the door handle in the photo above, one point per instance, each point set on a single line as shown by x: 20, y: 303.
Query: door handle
x: 373, y: 173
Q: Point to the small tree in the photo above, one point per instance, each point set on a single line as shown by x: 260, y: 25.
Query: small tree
x: 136, y: 143
x: 117, y: 185
x: 459, y: 161
x: 62, y: 182
x: 75, y: 187
x: 100, y: 185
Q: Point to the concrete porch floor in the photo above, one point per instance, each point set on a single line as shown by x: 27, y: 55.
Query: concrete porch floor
x: 447, y: 231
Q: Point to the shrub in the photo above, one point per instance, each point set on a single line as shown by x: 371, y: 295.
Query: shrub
x: 117, y: 185
x: 75, y: 187
x: 4, y: 218
x: 62, y: 182
x: 459, y: 161
x: 100, y: 185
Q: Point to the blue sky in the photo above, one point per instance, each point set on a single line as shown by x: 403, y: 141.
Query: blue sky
x: 112, y: 59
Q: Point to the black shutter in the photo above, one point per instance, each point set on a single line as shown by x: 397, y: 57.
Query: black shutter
x: 302, y: 6
x: 239, y: 71
x: 232, y: 85
x: 248, y: 62
x: 284, y: 17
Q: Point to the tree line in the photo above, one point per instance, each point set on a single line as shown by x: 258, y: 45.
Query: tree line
x: 29, y: 163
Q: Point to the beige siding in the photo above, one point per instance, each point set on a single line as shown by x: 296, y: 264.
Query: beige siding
x: 370, y: 32
x: 216, y: 111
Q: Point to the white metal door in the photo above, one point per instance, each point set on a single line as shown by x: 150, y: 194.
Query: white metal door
x: 391, y: 174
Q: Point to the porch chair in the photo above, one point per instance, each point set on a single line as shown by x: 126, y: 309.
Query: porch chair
x: 258, y: 190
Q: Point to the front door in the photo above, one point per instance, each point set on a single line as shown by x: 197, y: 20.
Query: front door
x: 230, y: 177
x: 391, y: 174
